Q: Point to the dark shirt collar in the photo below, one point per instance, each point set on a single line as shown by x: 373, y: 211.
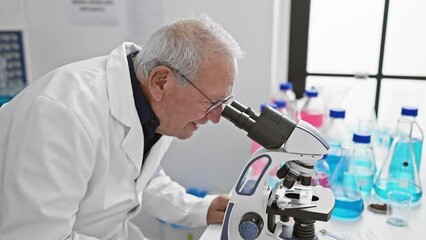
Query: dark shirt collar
x: 147, y: 117
x: 143, y: 108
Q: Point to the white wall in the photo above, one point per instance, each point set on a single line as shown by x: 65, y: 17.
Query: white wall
x: 214, y: 157
x: 54, y: 40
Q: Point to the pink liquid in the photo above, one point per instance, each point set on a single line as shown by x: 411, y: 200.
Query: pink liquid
x: 255, y: 146
x: 258, y: 165
x: 321, y: 180
x: 314, y: 119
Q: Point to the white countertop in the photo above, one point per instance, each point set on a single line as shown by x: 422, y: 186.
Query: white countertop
x: 370, y: 226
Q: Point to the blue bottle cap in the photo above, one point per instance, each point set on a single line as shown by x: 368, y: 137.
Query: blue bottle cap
x: 409, y: 111
x: 281, y: 103
x: 286, y: 86
x: 263, y: 106
x: 311, y: 92
x: 197, y: 192
x: 337, y: 113
x: 361, y: 138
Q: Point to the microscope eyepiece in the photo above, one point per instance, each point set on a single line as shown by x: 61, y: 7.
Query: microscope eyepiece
x: 240, y: 119
x: 270, y: 129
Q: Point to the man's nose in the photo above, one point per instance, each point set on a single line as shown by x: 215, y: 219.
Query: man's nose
x: 214, y: 115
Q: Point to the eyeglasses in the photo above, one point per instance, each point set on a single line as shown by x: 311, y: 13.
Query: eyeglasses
x: 215, y: 104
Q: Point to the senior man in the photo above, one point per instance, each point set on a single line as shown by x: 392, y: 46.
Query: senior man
x: 80, y: 148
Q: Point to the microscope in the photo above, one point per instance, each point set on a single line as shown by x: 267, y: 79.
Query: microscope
x: 288, y: 209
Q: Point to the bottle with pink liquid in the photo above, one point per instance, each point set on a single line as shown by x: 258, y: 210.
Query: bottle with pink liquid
x: 313, y: 109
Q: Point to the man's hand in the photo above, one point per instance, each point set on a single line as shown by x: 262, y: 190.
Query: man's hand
x: 217, y: 209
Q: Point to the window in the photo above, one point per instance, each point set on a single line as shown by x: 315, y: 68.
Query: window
x: 363, y: 54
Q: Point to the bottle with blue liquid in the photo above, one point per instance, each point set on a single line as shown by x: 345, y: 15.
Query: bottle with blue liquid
x: 364, y: 161
x: 336, y: 132
x: 416, y: 135
x: 399, y: 171
x: 344, y: 184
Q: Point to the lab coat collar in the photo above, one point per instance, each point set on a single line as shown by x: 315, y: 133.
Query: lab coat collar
x: 121, y: 101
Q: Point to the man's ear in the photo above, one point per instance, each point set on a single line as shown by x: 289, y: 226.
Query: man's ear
x: 157, y: 82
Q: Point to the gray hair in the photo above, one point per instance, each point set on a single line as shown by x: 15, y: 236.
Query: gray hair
x: 184, y: 45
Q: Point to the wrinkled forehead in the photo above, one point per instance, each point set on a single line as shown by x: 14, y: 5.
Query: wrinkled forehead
x: 218, y: 73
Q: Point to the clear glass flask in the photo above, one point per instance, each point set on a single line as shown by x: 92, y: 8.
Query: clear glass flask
x: 399, y: 171
x: 364, y: 161
x: 344, y: 184
x: 336, y: 132
x: 409, y: 112
x: 321, y: 174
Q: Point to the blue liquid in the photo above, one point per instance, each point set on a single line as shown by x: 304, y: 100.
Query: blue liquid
x: 383, y: 137
x: 401, y: 165
x: 366, y: 170
x: 417, y: 147
x: 382, y: 187
x: 272, y: 181
x: 332, y: 161
x: 365, y: 180
x: 348, y: 205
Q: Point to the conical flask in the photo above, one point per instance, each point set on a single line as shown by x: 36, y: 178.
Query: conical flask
x: 399, y: 171
x: 344, y: 184
x: 321, y: 174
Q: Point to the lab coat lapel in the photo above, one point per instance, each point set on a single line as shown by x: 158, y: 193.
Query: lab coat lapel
x: 152, y: 162
x: 122, y: 103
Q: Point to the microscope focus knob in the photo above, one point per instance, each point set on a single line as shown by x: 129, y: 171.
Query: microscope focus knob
x: 251, y: 225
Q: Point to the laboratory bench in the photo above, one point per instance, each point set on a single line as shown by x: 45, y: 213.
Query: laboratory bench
x: 370, y: 226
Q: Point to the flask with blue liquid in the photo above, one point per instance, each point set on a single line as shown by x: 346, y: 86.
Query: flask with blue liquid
x: 344, y: 184
x: 336, y: 133
x: 416, y: 135
x: 399, y: 171
x: 364, y: 161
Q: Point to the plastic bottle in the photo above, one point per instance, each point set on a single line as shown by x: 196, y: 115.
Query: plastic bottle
x: 416, y: 135
x: 336, y: 132
x: 364, y: 161
x: 344, y: 184
x: 399, y: 171
x: 286, y: 93
x: 282, y: 106
x: 313, y: 109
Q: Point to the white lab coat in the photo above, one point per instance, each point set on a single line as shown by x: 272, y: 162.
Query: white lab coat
x: 71, y: 147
